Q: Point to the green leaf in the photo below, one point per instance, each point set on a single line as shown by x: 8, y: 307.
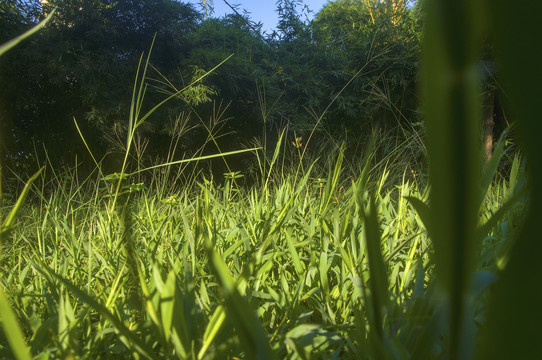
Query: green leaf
x: 310, y: 340
x: 130, y: 339
x: 167, y: 304
x: 13, y: 42
x: 299, y: 269
x: 419, y: 285
x: 12, y: 330
x: 6, y: 227
x: 378, y: 279
x: 450, y: 95
x: 512, y: 328
x: 250, y: 330
x: 423, y: 211
x: 215, y: 324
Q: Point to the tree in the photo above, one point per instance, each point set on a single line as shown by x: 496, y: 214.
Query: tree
x: 380, y: 40
x: 83, y: 65
x: 236, y: 81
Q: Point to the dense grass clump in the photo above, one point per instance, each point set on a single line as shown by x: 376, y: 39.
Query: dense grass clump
x: 317, y: 264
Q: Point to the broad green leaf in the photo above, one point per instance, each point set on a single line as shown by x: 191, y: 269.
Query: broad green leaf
x: 167, y: 302
x: 299, y: 268
x: 214, y: 326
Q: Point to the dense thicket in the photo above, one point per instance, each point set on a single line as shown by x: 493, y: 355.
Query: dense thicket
x: 355, y: 64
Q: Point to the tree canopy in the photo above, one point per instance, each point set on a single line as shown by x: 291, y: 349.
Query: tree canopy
x: 355, y: 65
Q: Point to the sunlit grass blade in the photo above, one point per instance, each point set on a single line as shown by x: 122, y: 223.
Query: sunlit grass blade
x: 250, y: 331
x: 299, y: 268
x: 215, y: 325
x: 86, y: 145
x: 332, y: 182
x: 138, y: 122
x: 498, y: 216
x: 13, y: 42
x: 273, y: 159
x: 490, y: 168
x: 6, y: 227
x: 194, y: 159
x: 423, y: 211
x: 131, y: 339
x: 12, y: 330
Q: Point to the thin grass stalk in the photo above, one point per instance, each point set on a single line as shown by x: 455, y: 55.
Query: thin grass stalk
x: 13, y: 42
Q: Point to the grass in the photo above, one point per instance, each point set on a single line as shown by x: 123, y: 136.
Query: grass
x: 300, y: 266
x: 331, y: 258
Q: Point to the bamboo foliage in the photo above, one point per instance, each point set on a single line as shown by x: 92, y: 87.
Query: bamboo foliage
x: 394, y: 8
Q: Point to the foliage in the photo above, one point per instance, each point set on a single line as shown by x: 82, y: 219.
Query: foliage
x: 173, y: 272
x: 236, y: 82
x: 326, y: 255
x: 10, y: 324
x: 82, y: 65
x: 376, y: 43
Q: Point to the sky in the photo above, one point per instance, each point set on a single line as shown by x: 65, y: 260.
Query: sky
x: 260, y: 10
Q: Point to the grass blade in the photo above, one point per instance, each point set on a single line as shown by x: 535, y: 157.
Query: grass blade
x: 13, y: 42
x: 513, y: 325
x: 214, y: 326
x: 12, y: 330
x: 450, y: 88
x: 101, y: 309
x: 378, y: 279
x: 5, y: 228
x: 251, y: 333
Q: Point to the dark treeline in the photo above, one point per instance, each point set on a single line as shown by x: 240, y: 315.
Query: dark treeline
x: 359, y: 56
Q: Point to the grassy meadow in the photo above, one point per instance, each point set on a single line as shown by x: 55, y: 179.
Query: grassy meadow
x: 325, y: 255
x: 320, y: 259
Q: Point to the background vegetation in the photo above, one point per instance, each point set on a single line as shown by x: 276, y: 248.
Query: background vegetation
x: 356, y: 59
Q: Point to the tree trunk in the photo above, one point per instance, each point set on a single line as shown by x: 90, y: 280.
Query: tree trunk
x: 489, y: 124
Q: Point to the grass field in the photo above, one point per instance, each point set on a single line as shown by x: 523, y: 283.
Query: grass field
x: 331, y: 262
